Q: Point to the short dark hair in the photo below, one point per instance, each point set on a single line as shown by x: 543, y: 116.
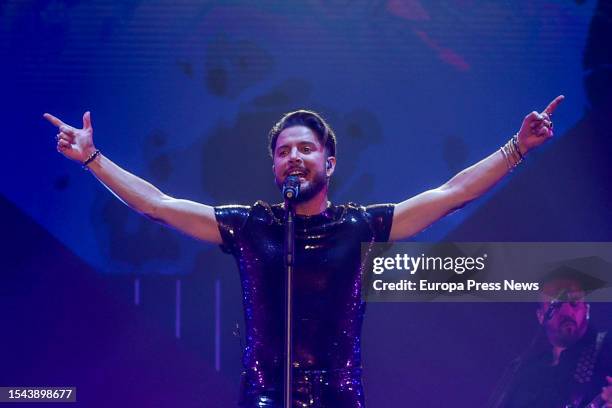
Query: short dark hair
x: 311, y: 120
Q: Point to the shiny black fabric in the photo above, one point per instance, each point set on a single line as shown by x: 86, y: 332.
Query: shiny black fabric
x: 312, y: 389
x: 327, y: 299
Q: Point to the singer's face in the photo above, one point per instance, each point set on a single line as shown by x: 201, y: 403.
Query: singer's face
x: 298, y: 151
x: 570, y: 321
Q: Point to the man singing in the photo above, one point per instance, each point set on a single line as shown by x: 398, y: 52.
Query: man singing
x: 328, y: 309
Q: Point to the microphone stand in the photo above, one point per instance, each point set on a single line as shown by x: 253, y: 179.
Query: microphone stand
x: 500, y: 392
x: 289, y: 265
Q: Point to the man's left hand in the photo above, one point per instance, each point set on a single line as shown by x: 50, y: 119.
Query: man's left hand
x: 537, y: 127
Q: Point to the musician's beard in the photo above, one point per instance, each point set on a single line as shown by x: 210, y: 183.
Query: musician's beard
x: 309, y: 188
x: 567, y: 333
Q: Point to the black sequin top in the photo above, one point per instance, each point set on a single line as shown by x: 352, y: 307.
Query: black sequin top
x: 327, y: 281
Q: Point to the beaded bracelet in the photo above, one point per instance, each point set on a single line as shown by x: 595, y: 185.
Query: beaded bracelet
x: 516, y: 146
x: 512, y: 154
x: 91, y: 158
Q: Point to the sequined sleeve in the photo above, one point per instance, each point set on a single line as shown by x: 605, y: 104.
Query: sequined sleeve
x: 380, y: 217
x: 230, y: 220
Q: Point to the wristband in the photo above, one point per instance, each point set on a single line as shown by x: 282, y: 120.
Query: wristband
x: 91, y: 158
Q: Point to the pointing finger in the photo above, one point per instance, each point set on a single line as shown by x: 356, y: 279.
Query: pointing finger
x: 554, y: 104
x: 55, y: 121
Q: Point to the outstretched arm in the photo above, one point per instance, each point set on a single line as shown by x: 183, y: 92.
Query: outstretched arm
x: 419, y: 212
x: 194, y: 219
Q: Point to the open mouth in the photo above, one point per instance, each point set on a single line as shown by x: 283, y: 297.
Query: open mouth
x: 301, y: 173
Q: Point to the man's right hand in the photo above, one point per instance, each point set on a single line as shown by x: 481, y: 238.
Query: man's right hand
x: 192, y: 218
x: 76, y: 144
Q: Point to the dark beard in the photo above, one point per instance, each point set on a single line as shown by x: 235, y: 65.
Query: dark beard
x: 313, y: 188
x: 567, y: 339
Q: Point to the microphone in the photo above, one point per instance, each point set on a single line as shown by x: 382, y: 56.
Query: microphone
x: 291, y: 187
x: 555, y: 305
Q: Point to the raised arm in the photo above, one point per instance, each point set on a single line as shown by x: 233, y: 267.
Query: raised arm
x: 194, y: 219
x: 419, y: 212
